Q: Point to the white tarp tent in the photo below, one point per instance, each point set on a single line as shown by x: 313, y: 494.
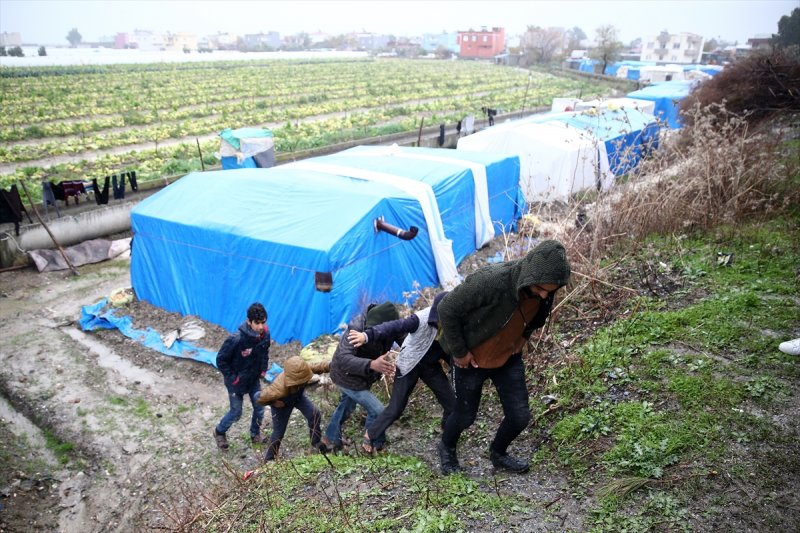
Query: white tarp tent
x: 555, y: 160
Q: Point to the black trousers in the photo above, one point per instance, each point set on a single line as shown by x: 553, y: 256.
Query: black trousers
x: 429, y: 369
x: 509, y: 380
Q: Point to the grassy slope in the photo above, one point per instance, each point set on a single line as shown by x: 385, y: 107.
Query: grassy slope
x: 681, y: 415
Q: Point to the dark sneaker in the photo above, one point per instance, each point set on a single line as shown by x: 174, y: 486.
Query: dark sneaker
x: 222, y: 440
x: 258, y: 439
x: 507, y: 462
x: 326, y: 446
x: 448, y: 459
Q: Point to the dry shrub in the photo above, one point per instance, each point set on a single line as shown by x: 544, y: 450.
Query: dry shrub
x: 719, y: 172
x: 759, y: 87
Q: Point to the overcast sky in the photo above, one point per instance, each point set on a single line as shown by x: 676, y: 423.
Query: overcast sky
x: 49, y: 21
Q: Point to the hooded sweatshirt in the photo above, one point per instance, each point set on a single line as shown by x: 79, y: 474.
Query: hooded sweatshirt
x: 350, y: 366
x: 295, y: 376
x: 478, y: 308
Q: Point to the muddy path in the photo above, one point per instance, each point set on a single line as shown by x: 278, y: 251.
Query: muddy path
x: 137, y: 422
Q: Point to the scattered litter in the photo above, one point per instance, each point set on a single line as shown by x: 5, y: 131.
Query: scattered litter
x: 549, y: 399
x: 724, y: 259
x: 190, y: 331
x: 272, y: 373
x: 496, y: 258
x: 121, y: 296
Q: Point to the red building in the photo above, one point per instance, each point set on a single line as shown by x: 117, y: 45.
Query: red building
x: 483, y: 43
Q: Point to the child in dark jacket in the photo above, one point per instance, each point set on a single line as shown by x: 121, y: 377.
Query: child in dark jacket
x: 243, y: 359
x: 355, y: 370
x: 285, y: 394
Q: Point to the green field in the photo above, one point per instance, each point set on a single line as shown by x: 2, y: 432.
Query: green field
x: 147, y: 117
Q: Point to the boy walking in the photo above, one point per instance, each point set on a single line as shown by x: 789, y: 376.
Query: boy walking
x: 287, y: 393
x: 243, y: 358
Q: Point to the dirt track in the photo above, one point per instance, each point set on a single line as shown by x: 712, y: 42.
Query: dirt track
x: 140, y: 422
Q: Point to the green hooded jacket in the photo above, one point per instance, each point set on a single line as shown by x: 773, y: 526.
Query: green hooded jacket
x: 478, y: 308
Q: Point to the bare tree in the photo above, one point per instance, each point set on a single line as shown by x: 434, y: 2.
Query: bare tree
x: 608, y: 45
x: 574, y: 38
x: 542, y: 45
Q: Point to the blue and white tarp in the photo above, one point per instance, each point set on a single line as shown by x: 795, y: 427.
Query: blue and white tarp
x: 667, y: 97
x: 302, y: 240
x: 99, y: 316
x: 246, y: 148
x: 555, y: 161
x: 627, y: 133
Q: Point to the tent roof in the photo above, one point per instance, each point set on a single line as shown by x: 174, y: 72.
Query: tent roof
x: 253, y: 204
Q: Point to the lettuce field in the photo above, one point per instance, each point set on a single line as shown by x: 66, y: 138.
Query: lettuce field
x: 83, y: 122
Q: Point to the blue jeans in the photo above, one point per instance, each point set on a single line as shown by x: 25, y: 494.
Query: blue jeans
x: 348, y: 402
x: 280, y: 419
x: 509, y: 380
x: 235, y: 412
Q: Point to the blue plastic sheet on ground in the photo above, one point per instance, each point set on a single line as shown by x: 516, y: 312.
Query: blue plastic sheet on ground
x: 95, y: 317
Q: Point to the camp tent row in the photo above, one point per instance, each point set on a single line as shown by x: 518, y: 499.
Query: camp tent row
x: 302, y: 238
x: 562, y: 153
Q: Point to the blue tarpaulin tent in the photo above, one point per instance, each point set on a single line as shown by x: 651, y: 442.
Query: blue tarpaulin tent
x: 246, y: 148
x: 667, y: 97
x: 300, y: 240
x: 627, y: 133
x: 478, y: 194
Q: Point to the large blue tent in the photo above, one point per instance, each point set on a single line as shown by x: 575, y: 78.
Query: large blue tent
x: 303, y: 241
x: 667, y: 97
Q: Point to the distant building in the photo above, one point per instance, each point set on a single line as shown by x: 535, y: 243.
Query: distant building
x: 673, y: 48
x: 760, y: 42
x: 147, y: 40
x: 371, y: 41
x: 260, y: 41
x: 432, y: 41
x: 10, y: 39
x: 481, y: 44
x: 224, y: 41
x: 180, y: 41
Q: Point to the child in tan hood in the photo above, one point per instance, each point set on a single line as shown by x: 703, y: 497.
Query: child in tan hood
x: 286, y: 393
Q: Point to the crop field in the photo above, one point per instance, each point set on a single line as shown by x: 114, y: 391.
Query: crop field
x: 84, y: 122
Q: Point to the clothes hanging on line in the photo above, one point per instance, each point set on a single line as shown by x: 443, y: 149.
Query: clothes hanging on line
x: 101, y: 195
x: 49, y: 197
x: 11, y: 208
x: 118, y: 186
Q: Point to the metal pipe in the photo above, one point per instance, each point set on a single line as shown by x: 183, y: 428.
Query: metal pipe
x: 405, y: 234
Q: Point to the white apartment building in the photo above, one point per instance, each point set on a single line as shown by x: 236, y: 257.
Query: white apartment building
x: 673, y: 48
x: 10, y: 39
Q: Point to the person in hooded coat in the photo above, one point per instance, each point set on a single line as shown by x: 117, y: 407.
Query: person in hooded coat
x: 286, y: 393
x: 486, y: 321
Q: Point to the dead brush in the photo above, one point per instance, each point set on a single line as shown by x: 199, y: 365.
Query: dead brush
x: 720, y: 172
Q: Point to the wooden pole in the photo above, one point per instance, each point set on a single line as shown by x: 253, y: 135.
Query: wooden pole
x: 419, y: 135
x: 199, y: 151
x: 36, y: 212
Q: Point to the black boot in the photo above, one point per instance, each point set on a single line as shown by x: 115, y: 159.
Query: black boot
x: 506, y: 462
x: 448, y: 459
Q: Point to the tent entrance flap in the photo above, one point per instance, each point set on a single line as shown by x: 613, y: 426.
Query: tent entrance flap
x: 441, y: 247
